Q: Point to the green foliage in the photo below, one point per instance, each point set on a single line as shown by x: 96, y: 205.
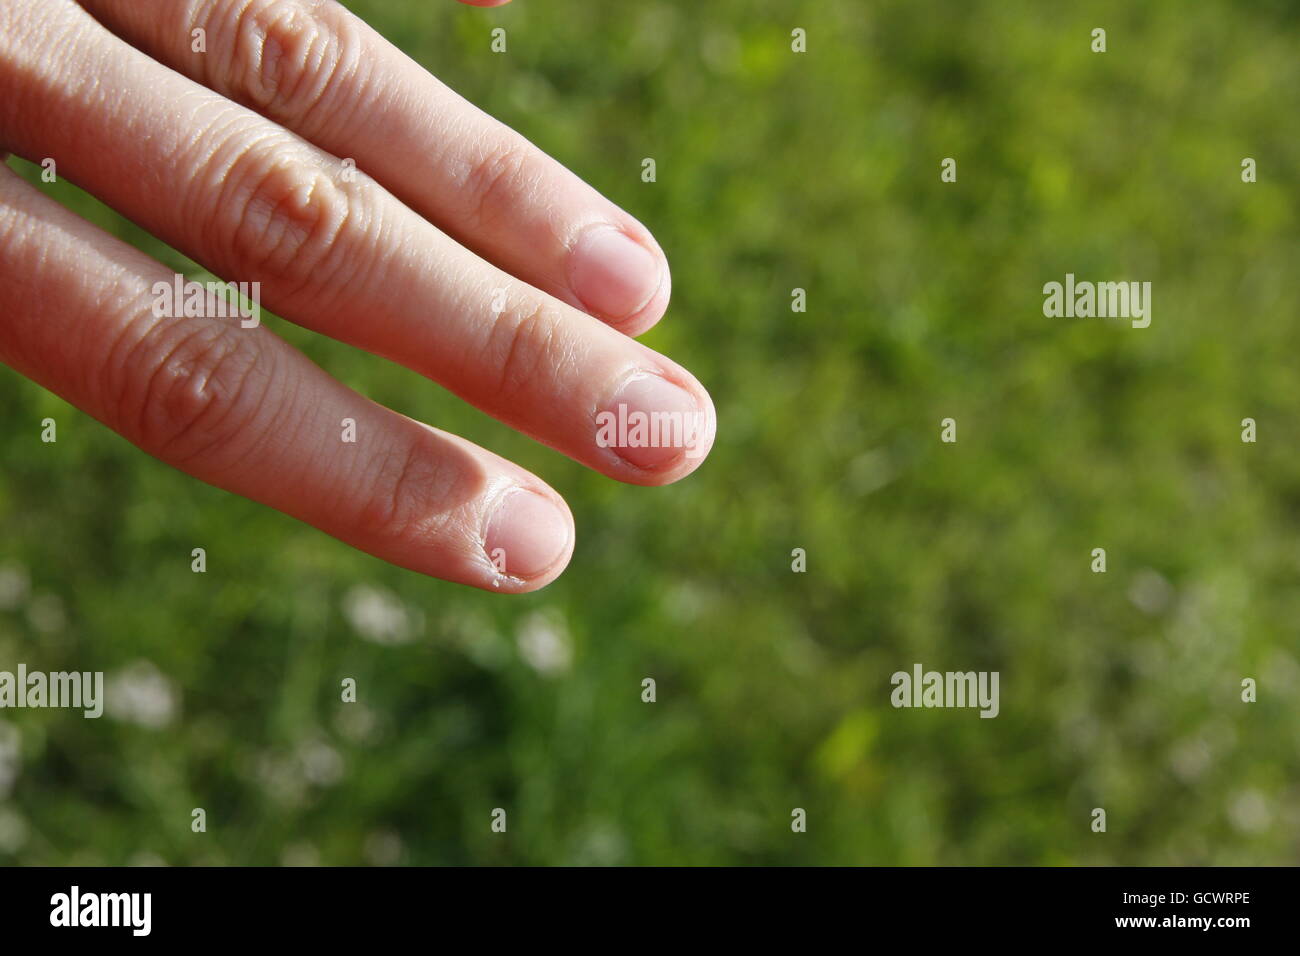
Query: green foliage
x: 776, y: 170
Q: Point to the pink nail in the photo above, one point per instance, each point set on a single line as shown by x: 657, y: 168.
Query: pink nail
x: 612, y: 274
x: 651, y: 422
x: 526, y: 534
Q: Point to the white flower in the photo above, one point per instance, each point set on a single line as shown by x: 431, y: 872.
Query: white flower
x: 603, y: 844
x: 300, y: 854
x: 544, y: 643
x: 321, y: 764
x: 379, y: 616
x: 356, y: 722
x: 13, y: 831
x: 1249, y: 812
x: 141, y: 694
x: 14, y: 585
x: 383, y: 848
x: 1191, y: 758
x: 1150, y: 592
x: 281, y: 778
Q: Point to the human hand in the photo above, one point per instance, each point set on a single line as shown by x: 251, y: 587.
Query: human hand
x: 301, y: 151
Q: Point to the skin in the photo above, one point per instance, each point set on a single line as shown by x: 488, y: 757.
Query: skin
x: 456, y: 248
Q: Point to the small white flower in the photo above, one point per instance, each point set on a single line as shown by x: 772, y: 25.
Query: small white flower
x: 1249, y: 812
x: 1150, y: 592
x: 281, y: 778
x: 14, y: 585
x: 300, y: 854
x: 383, y: 848
x: 379, y: 616
x: 603, y: 844
x: 686, y: 602
x: 1191, y: 758
x: 544, y: 643
x: 356, y: 722
x: 141, y: 694
x: 13, y: 831
x: 321, y: 764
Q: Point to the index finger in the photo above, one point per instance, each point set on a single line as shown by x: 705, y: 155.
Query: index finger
x: 318, y: 70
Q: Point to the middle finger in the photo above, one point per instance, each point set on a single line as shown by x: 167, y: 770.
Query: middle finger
x: 335, y: 252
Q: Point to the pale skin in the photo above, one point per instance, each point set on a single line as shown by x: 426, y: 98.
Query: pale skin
x: 458, y: 249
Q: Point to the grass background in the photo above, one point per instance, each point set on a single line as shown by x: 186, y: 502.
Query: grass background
x: 776, y: 170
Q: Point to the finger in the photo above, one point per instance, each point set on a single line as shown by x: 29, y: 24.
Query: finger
x: 318, y: 70
x: 243, y: 410
x: 256, y: 203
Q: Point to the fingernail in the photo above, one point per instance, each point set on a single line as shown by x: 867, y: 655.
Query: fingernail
x: 612, y: 274
x: 526, y: 534
x: 651, y: 422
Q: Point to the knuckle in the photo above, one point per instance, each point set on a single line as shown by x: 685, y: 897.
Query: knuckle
x: 291, y: 57
x: 528, y: 349
x: 284, y: 220
x: 192, y: 389
x: 408, y: 496
x: 497, y: 181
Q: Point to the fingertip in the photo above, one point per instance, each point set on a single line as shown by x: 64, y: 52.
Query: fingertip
x: 620, y: 276
x: 647, y: 317
x: 657, y: 427
x: 528, y: 539
x: 691, y: 458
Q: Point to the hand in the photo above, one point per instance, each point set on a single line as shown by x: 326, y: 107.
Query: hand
x: 300, y: 151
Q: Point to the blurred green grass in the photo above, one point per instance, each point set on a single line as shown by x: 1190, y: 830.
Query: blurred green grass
x: 775, y: 170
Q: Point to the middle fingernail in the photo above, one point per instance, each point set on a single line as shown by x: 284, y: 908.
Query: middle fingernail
x: 612, y: 274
